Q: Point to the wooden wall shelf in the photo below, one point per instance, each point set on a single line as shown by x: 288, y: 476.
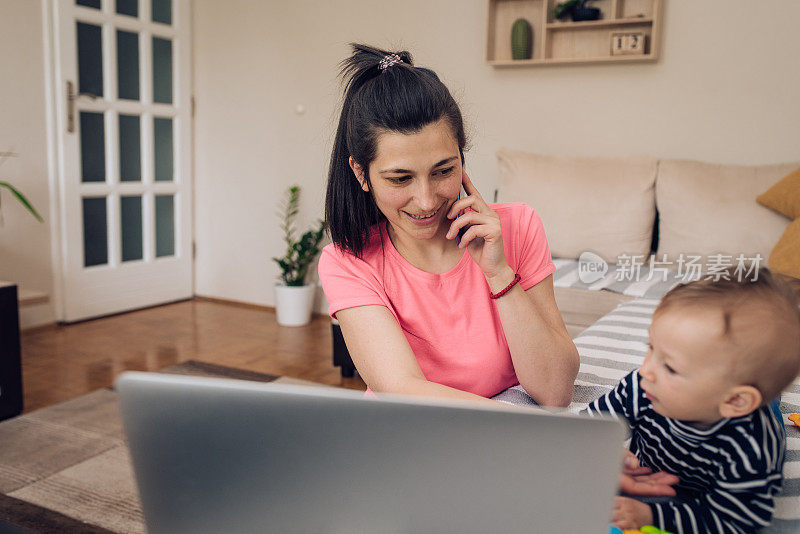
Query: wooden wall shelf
x: 573, y: 26
x: 571, y: 43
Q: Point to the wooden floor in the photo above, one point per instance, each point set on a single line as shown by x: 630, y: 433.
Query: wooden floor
x: 62, y: 362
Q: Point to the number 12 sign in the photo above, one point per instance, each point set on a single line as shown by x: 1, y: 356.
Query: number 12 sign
x: 627, y: 43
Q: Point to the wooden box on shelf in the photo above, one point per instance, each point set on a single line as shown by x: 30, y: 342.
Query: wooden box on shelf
x: 560, y: 43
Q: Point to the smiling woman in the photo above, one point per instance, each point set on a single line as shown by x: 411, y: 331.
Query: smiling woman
x: 421, y: 311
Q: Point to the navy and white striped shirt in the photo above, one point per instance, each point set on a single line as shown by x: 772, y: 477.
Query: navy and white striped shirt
x: 729, y: 473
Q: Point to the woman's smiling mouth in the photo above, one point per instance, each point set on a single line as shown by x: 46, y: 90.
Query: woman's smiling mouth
x: 423, y: 219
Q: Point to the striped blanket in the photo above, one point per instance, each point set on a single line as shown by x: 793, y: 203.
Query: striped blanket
x: 616, y: 344
x: 635, y: 282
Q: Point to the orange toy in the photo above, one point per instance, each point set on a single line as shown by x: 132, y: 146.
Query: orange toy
x: 795, y: 418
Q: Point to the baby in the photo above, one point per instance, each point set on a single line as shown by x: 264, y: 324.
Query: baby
x: 699, y: 406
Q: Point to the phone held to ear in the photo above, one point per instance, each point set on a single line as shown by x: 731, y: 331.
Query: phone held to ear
x: 463, y: 230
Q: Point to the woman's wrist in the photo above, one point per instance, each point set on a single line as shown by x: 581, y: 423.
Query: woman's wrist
x: 498, y: 282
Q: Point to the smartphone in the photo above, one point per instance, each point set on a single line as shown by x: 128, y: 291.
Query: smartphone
x: 461, y: 232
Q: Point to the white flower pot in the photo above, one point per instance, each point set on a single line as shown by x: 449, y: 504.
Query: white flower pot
x: 294, y: 303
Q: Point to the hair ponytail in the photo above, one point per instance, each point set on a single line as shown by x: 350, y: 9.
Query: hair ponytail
x: 397, y: 98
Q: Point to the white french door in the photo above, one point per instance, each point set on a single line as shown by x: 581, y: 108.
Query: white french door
x: 123, y: 119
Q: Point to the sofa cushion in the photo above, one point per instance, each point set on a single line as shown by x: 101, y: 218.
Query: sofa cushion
x: 707, y: 209
x: 602, y: 205
x: 785, y: 257
x: 639, y: 279
x: 784, y: 197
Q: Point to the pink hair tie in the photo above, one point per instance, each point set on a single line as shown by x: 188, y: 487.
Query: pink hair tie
x: 388, y: 61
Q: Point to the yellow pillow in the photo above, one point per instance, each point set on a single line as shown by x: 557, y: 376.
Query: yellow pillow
x: 785, y: 257
x: 784, y: 197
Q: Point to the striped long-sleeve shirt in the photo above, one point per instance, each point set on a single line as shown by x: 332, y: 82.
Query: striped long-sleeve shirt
x: 729, y: 473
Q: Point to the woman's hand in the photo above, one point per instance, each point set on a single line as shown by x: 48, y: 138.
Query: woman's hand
x: 638, y: 480
x: 483, y: 238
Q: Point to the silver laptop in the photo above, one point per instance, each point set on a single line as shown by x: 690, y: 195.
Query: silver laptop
x: 219, y: 455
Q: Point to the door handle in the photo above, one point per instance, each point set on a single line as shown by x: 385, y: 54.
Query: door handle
x: 72, y: 96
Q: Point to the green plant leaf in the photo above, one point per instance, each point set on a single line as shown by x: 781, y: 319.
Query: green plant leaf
x: 23, y: 200
x: 300, y: 253
x: 564, y: 8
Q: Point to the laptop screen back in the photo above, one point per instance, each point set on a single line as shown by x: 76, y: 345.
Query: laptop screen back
x: 220, y: 455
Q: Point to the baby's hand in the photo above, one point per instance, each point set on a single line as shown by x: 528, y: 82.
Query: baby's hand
x: 630, y: 514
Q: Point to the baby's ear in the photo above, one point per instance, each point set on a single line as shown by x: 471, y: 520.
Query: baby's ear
x: 740, y: 401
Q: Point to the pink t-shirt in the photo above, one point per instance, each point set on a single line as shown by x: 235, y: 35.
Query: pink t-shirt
x: 449, y: 320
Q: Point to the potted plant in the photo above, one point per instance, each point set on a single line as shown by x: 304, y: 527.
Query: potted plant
x: 293, y: 297
x: 19, y: 196
x: 578, y: 10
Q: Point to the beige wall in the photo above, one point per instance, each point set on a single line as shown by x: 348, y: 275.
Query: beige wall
x: 724, y: 91
x: 24, y: 242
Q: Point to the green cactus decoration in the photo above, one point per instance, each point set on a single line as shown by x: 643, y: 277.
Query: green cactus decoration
x: 521, y: 39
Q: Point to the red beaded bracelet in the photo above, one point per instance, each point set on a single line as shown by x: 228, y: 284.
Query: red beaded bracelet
x: 507, y: 289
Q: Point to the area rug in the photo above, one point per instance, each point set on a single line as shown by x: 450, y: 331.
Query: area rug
x: 66, y: 468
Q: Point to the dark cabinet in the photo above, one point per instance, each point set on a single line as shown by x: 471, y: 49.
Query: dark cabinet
x: 10, y: 359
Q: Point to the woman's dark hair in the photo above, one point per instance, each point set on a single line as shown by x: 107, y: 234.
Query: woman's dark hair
x: 399, y: 98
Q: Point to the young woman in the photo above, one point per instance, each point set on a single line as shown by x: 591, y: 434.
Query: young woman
x: 424, y: 310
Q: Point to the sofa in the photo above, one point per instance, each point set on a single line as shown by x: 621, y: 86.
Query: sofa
x: 640, y: 207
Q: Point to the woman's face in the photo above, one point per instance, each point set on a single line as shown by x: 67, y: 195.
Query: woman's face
x: 415, y: 179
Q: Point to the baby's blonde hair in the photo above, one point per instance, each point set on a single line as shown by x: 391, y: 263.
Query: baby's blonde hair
x: 760, y: 317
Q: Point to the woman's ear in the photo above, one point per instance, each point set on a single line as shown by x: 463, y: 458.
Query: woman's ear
x: 741, y: 401
x: 358, y: 170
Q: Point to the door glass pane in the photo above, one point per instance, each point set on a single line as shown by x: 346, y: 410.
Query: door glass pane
x: 165, y: 225
x: 128, y: 7
x: 90, y: 59
x: 162, y: 70
x: 131, y: 224
x: 162, y: 133
x: 95, y: 232
x: 162, y: 11
x: 88, y: 3
x: 128, y: 65
x: 93, y: 154
x: 130, y: 154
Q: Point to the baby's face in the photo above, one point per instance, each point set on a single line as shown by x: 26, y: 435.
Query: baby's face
x: 686, y: 373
